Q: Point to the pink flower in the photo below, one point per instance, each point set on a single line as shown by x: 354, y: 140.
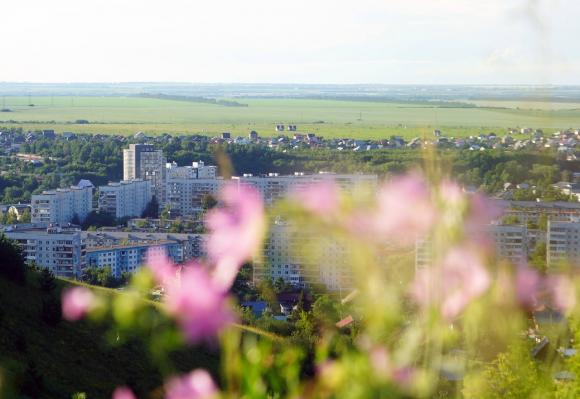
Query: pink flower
x: 405, y: 211
x: 123, y: 393
x: 450, y: 192
x: 162, y: 267
x: 482, y: 211
x: 384, y: 368
x: 381, y: 361
x: 453, y: 284
x: 76, y: 303
x: 562, y: 292
x: 198, y: 303
x: 236, y: 231
x: 321, y: 199
x: 528, y: 283
x: 196, y: 385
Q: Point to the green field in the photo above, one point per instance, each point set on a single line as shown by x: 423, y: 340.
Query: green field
x: 328, y: 118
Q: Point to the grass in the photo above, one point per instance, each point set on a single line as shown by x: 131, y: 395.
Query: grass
x: 73, y: 357
x: 328, y: 118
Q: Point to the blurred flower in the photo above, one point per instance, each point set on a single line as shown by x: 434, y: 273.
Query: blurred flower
x: 380, y: 361
x: 123, y: 393
x: 162, y: 267
x: 196, y: 385
x: 321, y: 199
x: 562, y: 292
x: 331, y: 374
x: 482, y: 211
x: 451, y: 193
x: 235, y: 231
x: 76, y: 303
x: 405, y: 211
x: 198, y: 303
x: 384, y: 369
x: 452, y: 285
x: 528, y: 283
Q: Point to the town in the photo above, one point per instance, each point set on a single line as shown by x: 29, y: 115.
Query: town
x: 161, y: 205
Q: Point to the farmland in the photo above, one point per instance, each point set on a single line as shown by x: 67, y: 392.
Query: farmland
x: 328, y: 118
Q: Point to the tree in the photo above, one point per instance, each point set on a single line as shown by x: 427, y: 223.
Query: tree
x: 98, y: 219
x: 152, y: 209
x: 11, y: 218
x: 208, y: 202
x: 25, y: 217
x: 102, y: 276
x: 51, y: 310
x: 76, y: 220
x: 33, y: 382
x: 512, y: 375
x: 13, y: 265
x: 538, y: 257
x: 47, y: 281
x: 166, y: 212
x: 543, y: 222
x: 511, y: 219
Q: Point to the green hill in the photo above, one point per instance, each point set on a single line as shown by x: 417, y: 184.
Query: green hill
x: 56, y: 361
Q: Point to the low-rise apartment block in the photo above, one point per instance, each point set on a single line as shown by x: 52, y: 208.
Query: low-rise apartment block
x: 530, y: 211
x: 60, y: 206
x: 124, y: 251
x: 126, y: 258
x: 59, y: 249
x: 563, y: 244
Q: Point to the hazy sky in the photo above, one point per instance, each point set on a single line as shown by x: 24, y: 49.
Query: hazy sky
x: 291, y: 41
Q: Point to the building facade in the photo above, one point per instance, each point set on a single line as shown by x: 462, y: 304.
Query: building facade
x: 274, y: 186
x: 563, y: 244
x: 59, y: 249
x: 61, y: 205
x: 185, y: 196
x: 143, y: 161
x: 125, y: 198
x: 302, y: 258
x: 197, y: 170
x: 512, y: 243
x: 180, y: 247
x: 127, y: 258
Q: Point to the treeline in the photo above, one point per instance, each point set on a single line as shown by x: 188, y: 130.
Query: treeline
x: 206, y: 100
x: 100, y: 160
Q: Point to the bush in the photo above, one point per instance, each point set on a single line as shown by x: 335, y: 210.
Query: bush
x: 51, y: 311
x: 12, y: 266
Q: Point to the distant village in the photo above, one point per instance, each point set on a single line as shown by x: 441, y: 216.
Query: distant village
x: 289, y: 137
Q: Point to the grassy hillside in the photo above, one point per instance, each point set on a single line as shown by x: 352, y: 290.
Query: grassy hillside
x: 329, y: 118
x: 73, y: 357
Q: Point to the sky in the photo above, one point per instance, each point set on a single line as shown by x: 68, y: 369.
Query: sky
x: 292, y: 41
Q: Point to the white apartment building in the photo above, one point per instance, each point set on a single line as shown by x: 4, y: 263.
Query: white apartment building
x: 273, y: 186
x: 563, y: 244
x: 143, y: 161
x: 58, y: 249
x: 125, y: 198
x: 530, y: 211
x: 184, y: 196
x: 61, y: 205
x: 512, y: 243
x: 302, y: 258
x: 197, y: 170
